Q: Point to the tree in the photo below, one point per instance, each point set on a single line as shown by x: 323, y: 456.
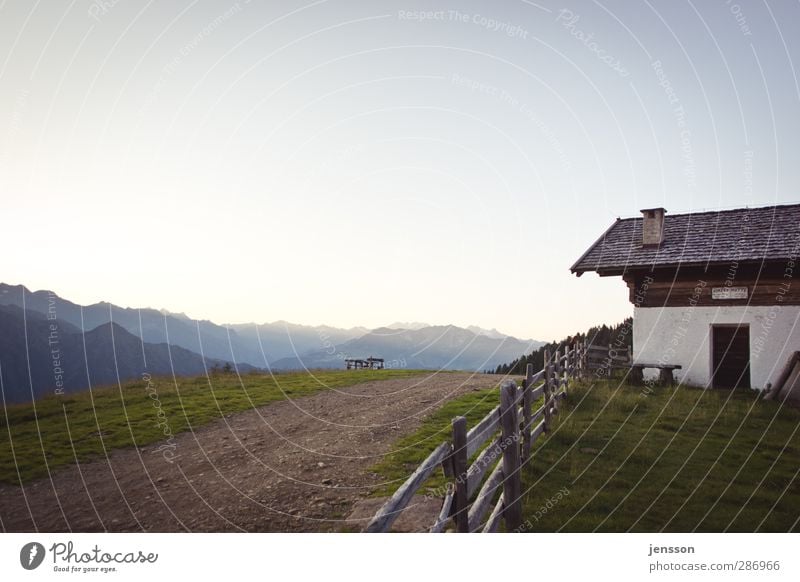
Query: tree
x: 599, y: 335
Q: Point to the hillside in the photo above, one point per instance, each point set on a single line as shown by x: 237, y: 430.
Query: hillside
x: 602, y: 335
x: 674, y: 459
x: 249, y: 343
x: 39, y: 356
x: 153, y: 326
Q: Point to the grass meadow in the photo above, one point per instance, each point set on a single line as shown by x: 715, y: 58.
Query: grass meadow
x: 58, y: 430
x: 622, y: 459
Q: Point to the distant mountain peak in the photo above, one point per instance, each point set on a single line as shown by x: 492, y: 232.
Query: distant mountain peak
x: 5, y: 288
x: 492, y: 333
x: 179, y: 315
x: 417, y: 325
x: 413, y: 325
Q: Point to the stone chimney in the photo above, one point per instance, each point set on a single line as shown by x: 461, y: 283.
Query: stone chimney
x: 653, y: 227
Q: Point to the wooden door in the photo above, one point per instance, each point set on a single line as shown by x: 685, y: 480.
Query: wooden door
x: 731, y: 356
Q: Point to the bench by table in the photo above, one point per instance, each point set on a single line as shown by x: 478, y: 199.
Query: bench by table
x: 665, y: 376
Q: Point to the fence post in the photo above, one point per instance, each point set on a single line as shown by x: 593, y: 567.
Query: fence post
x: 548, y: 379
x: 570, y: 363
x: 512, y: 485
x: 460, y: 501
x: 559, y: 377
x: 584, y: 359
x: 586, y: 345
x: 557, y: 369
x: 527, y: 405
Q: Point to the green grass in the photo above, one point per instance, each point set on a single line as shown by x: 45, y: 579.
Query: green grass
x: 411, y: 450
x: 56, y: 430
x: 678, y: 460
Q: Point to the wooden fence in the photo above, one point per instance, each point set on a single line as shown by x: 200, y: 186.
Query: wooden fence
x: 511, y: 428
x: 608, y: 358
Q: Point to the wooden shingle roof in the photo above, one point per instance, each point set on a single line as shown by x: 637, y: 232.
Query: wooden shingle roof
x: 701, y: 238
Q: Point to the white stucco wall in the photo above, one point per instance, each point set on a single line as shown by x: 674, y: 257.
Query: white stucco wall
x: 682, y: 335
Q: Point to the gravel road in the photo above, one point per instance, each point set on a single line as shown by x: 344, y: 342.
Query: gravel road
x: 297, y: 465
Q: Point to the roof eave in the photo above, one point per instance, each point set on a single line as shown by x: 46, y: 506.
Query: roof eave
x: 574, y: 268
x: 615, y: 270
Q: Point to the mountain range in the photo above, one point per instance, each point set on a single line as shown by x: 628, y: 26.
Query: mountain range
x: 40, y: 356
x: 114, y: 343
x: 246, y: 343
x: 436, y: 346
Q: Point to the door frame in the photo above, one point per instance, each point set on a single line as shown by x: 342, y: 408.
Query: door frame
x: 712, y: 335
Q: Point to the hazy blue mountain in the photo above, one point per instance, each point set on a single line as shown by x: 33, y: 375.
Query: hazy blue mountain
x: 492, y: 333
x: 283, y: 345
x: 417, y: 325
x: 37, y: 353
x: 282, y: 339
x: 19, y: 348
x: 434, y: 347
x: 407, y: 325
x: 149, y: 324
x: 230, y: 343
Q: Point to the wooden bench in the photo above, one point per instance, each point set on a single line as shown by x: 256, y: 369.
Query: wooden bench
x: 665, y: 376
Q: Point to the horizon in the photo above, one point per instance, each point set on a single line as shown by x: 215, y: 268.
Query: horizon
x: 363, y: 163
x: 412, y: 324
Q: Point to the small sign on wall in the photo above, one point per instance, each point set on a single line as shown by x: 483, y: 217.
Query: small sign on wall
x: 729, y: 293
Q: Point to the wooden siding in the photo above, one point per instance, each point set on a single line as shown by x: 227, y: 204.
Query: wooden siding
x: 693, y: 287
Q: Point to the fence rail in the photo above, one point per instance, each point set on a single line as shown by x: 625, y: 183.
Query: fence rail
x: 511, y: 428
x: 608, y: 357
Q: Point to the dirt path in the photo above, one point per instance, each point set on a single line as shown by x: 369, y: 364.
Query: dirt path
x: 289, y: 466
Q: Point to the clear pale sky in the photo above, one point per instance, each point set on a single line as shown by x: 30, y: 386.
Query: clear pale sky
x: 353, y: 163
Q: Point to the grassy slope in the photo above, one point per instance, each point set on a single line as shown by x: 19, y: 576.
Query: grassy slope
x: 44, y: 434
x: 411, y: 450
x: 605, y: 450
x: 679, y: 460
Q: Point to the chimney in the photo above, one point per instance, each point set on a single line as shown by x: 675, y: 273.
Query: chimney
x: 653, y: 227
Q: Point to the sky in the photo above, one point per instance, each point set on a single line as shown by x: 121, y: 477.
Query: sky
x: 359, y: 163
